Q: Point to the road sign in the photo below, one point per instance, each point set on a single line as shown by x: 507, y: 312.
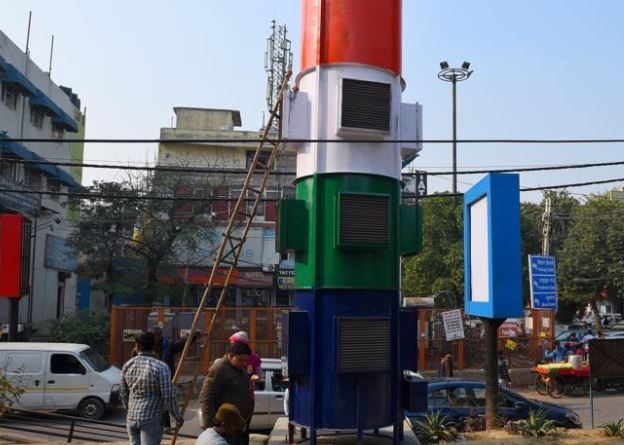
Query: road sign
x: 453, y: 325
x: 416, y: 183
x: 543, y: 282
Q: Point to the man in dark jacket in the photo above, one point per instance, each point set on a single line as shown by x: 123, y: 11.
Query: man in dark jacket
x: 227, y: 381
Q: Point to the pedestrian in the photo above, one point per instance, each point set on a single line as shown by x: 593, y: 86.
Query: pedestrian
x: 147, y: 394
x: 227, y: 381
x: 557, y: 354
x: 504, y: 381
x: 446, y: 365
x: 253, y: 366
x: 165, y: 350
x: 588, y: 336
x: 227, y: 423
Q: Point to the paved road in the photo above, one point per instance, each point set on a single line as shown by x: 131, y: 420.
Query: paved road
x: 39, y: 428
x: 608, y: 406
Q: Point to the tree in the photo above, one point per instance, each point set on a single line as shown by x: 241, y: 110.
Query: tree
x: 439, y: 267
x: 592, y: 259
x: 132, y: 234
x: 107, y: 222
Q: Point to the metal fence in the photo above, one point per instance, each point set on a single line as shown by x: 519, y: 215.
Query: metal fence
x: 535, y: 332
x: 262, y: 324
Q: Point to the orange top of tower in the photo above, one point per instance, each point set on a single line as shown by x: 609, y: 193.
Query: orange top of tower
x: 352, y: 31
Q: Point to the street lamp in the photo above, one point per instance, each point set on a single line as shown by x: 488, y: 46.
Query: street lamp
x: 454, y: 75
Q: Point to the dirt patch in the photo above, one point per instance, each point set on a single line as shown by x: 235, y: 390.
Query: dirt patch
x: 564, y: 437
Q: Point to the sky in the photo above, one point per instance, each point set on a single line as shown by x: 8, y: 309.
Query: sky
x: 542, y: 70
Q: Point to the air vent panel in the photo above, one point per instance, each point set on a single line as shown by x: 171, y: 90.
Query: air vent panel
x: 363, y: 345
x: 365, y: 105
x: 363, y: 220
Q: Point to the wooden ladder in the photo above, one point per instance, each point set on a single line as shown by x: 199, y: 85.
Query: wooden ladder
x: 231, y: 245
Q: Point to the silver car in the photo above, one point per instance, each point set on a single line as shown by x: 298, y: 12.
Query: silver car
x: 269, y: 396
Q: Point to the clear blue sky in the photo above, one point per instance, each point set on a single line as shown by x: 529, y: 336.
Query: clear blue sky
x: 543, y: 69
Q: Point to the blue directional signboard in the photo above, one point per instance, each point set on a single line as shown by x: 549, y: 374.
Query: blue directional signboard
x: 543, y: 278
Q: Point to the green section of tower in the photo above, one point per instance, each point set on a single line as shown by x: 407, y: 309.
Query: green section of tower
x: 328, y: 261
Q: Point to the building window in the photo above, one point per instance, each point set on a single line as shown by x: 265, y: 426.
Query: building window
x: 36, y: 117
x: 264, y: 158
x: 9, y: 95
x: 255, y: 297
x: 33, y: 178
x: 8, y: 168
x: 57, y: 131
x: 53, y: 185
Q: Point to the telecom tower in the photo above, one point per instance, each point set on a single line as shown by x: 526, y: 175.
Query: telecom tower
x: 277, y: 62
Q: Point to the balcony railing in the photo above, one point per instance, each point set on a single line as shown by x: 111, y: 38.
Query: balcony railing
x: 16, y: 200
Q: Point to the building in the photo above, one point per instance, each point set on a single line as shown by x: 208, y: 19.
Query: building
x: 262, y: 277
x: 34, y: 206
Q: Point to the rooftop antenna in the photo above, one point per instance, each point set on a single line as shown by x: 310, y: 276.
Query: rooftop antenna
x: 277, y: 62
x: 51, y: 54
x: 21, y: 133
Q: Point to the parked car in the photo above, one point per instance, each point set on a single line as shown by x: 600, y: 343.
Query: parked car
x: 460, y: 400
x: 61, y: 376
x: 614, y: 334
x: 269, y: 396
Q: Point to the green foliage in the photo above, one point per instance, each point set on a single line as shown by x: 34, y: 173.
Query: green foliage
x: 592, y: 256
x: 129, y: 242
x: 440, y: 265
x: 536, y: 425
x: 89, y: 328
x: 10, y: 392
x: 435, y: 428
x: 613, y: 429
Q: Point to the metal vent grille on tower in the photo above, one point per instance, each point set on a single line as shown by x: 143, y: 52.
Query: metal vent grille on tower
x: 363, y: 345
x: 363, y: 220
x: 365, y: 105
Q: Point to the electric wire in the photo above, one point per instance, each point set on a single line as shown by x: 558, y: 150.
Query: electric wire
x: 148, y: 196
x: 310, y: 141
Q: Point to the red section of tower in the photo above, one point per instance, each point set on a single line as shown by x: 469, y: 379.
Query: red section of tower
x: 364, y: 32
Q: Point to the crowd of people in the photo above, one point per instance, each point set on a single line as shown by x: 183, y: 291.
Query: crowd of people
x: 573, y: 345
x: 226, y: 397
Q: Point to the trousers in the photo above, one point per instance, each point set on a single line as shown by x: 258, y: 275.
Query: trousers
x: 145, y: 432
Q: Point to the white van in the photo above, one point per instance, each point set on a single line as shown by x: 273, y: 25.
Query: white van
x: 61, y: 376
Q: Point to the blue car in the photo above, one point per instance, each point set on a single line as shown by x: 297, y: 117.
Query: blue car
x: 464, y: 400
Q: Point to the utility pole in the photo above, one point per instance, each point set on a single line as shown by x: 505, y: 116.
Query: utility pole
x: 546, y: 228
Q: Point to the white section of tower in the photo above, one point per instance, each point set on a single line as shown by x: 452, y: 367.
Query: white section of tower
x: 313, y: 112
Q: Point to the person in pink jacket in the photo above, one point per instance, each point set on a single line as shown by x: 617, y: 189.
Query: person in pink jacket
x: 254, y: 368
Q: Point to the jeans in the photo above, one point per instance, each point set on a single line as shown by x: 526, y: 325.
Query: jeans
x: 145, y: 432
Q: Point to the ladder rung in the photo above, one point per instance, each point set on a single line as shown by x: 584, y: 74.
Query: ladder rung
x: 224, y: 261
x: 245, y: 214
x: 256, y: 191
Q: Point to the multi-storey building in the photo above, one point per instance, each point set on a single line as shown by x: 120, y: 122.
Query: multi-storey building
x: 262, y: 277
x: 35, y: 215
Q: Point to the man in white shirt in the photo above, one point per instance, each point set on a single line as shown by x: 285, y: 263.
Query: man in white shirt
x: 227, y: 424
x: 588, y: 336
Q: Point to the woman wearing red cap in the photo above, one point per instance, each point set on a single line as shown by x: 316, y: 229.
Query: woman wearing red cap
x: 254, y: 369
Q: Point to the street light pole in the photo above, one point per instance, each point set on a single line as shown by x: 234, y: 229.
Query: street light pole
x: 454, y: 75
x: 454, y: 83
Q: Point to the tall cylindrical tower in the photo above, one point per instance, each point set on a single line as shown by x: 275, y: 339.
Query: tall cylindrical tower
x: 345, y: 225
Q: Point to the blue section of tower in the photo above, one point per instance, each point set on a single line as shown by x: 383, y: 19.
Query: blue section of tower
x: 324, y: 398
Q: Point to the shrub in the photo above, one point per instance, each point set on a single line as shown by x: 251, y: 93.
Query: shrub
x: 536, y: 425
x: 435, y: 428
x: 89, y: 328
x: 613, y: 429
x: 10, y: 392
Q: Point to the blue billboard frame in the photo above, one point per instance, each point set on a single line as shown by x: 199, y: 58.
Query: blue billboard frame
x: 503, y: 265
